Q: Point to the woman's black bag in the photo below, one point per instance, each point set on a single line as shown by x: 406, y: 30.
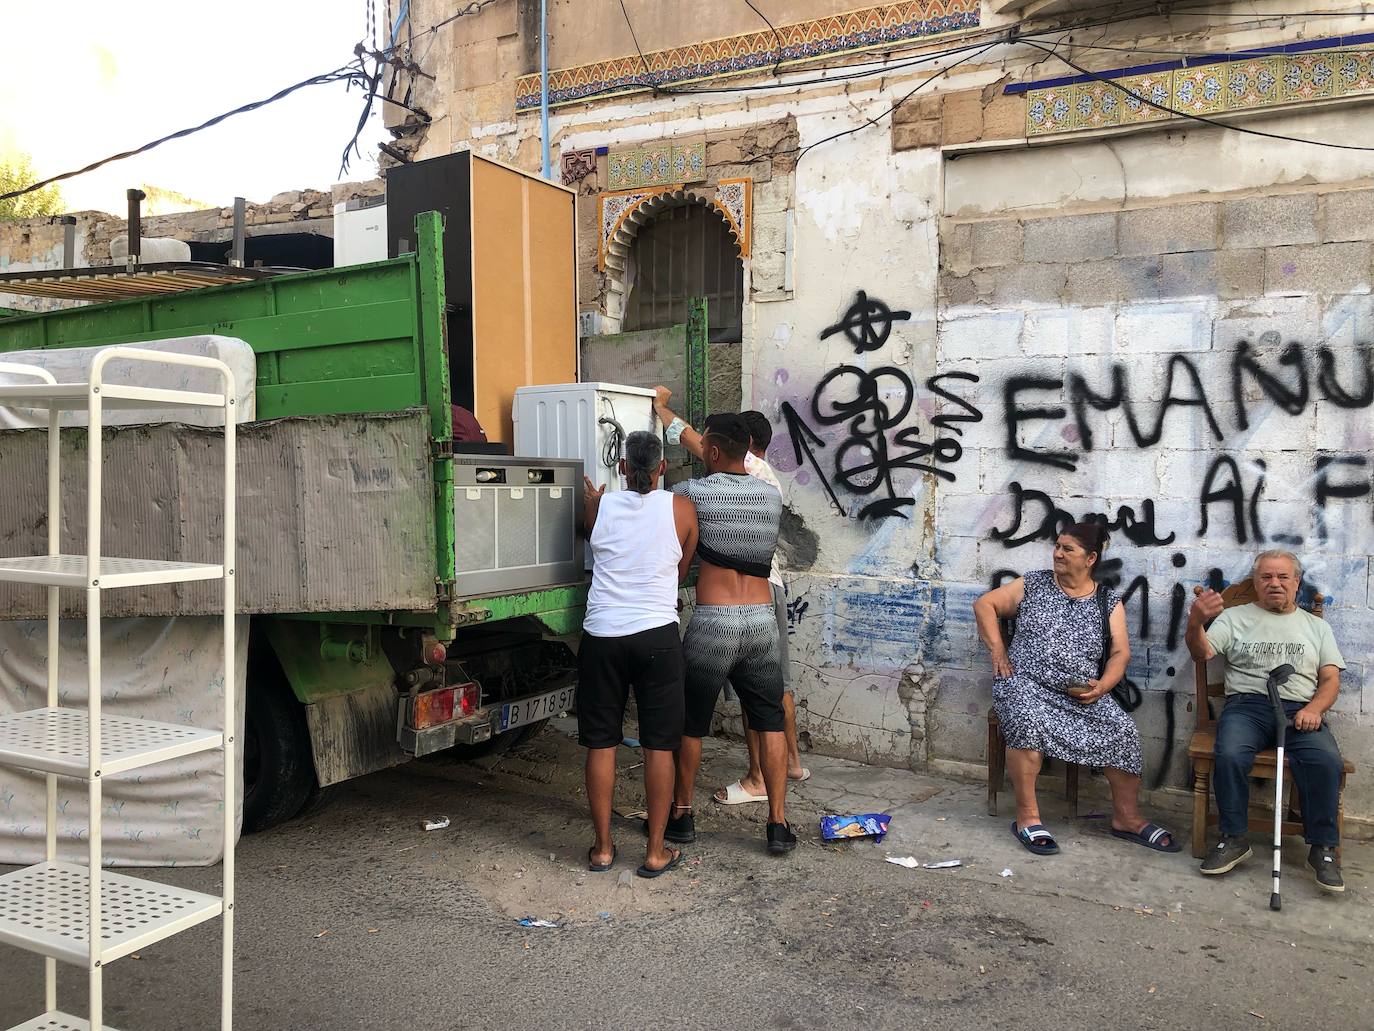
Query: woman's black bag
x: 1127, y: 695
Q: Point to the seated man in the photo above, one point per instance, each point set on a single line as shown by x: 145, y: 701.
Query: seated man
x: 642, y: 541
x: 733, y: 635
x: 1254, y: 639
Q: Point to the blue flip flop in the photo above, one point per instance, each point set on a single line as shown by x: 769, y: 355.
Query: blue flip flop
x: 1036, y: 839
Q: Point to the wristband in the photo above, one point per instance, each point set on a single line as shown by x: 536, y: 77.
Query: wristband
x: 673, y: 434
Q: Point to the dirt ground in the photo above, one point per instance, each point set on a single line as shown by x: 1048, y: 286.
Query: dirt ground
x: 355, y: 918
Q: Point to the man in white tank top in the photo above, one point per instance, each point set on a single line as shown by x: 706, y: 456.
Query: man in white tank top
x: 642, y: 542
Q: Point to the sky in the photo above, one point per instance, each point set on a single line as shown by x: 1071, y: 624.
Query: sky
x: 102, y: 77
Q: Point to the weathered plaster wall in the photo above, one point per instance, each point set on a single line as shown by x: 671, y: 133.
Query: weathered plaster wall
x: 1158, y: 253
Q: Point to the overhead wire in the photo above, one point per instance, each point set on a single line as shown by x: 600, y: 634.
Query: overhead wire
x: 471, y: 8
x: 634, y: 36
x: 777, y: 37
x: 356, y: 73
x: 801, y: 152
x: 349, y: 72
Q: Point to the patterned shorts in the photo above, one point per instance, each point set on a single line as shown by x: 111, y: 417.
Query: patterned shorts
x: 738, y: 643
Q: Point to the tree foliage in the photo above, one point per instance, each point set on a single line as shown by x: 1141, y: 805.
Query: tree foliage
x: 16, y: 172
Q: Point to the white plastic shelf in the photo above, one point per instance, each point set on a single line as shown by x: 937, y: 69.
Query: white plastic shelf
x: 75, y: 396
x: 57, y: 1021
x: 58, y: 741
x: 46, y: 909
x: 70, y: 571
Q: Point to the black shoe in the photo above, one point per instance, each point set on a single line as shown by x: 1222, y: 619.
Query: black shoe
x: 681, y: 830
x: 1326, y: 868
x: 781, y: 839
x: 1226, y: 856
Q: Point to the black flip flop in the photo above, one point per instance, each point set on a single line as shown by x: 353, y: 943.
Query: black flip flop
x: 1036, y: 839
x: 600, y: 867
x: 676, y: 861
x: 1150, y: 836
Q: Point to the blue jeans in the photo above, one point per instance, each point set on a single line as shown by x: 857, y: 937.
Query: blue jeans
x: 1246, y: 726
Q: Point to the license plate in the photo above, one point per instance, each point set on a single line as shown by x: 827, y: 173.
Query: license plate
x: 540, y: 707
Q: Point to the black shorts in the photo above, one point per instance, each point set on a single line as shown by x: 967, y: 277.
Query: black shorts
x: 607, y: 667
x: 738, y: 643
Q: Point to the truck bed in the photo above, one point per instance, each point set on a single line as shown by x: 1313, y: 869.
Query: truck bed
x: 336, y: 513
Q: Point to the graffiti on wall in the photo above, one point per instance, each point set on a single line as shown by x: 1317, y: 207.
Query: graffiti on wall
x: 876, y: 439
x: 859, y: 418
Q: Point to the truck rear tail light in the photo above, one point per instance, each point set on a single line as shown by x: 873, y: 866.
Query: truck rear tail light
x: 433, y: 651
x: 434, y: 707
x: 470, y: 698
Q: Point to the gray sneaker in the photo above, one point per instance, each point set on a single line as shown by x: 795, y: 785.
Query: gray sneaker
x: 1226, y: 856
x: 1326, y: 868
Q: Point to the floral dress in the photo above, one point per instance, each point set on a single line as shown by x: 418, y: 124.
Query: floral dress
x: 1058, y: 641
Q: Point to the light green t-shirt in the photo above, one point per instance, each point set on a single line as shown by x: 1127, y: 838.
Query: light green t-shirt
x: 1255, y: 640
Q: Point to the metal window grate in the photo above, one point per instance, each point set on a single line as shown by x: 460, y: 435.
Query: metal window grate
x: 685, y: 252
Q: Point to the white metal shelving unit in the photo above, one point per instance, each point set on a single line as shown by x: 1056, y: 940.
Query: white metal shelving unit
x: 84, y: 915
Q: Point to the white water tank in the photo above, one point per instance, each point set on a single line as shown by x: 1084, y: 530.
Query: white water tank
x: 581, y: 420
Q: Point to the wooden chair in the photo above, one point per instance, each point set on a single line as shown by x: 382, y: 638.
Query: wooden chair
x: 1202, y: 748
x: 997, y: 748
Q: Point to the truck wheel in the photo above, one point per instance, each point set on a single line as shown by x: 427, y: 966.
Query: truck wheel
x: 278, y: 770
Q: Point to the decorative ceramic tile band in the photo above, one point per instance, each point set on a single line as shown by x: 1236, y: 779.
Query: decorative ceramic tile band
x: 657, y: 165
x: 866, y: 29
x: 733, y: 198
x: 1216, y: 88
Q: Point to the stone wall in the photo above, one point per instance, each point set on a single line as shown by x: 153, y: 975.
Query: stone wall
x: 36, y: 243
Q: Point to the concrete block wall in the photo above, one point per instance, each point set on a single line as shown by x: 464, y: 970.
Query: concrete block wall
x: 1240, y: 335
x: 1309, y: 242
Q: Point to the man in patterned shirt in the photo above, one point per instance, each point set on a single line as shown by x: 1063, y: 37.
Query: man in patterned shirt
x: 733, y: 635
x: 750, y: 787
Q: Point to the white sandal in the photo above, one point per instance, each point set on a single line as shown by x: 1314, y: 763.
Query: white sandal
x: 736, y: 795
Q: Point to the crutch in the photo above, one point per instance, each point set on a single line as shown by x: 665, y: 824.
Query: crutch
x: 1277, y: 677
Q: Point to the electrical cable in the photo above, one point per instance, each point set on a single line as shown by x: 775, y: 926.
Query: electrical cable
x: 638, y: 49
x: 348, y: 73
x: 1194, y: 117
x: 777, y: 38
x: 471, y: 8
x: 801, y: 152
x: 611, y: 452
x: 866, y: 69
x: 356, y: 73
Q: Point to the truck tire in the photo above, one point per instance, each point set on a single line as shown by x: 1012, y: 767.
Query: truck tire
x: 278, y: 768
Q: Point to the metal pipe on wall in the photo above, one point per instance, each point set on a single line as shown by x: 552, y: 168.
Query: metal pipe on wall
x: 544, y: 86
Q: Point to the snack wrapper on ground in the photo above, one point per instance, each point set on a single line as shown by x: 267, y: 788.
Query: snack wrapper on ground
x: 865, y: 825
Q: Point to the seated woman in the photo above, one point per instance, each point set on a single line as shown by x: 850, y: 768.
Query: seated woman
x: 1053, y: 692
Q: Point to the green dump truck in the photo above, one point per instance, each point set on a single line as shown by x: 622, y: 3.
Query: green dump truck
x: 389, y: 618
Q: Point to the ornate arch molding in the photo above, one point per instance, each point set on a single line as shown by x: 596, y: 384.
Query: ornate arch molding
x: 623, y: 213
